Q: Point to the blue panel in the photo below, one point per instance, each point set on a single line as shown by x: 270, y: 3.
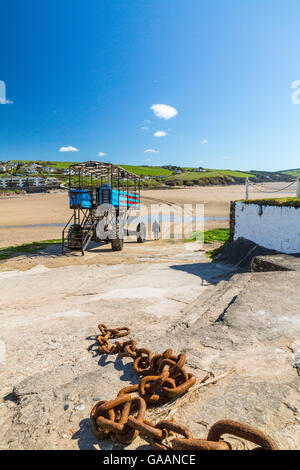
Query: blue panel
x: 80, y: 198
x: 115, y: 197
x: 118, y: 198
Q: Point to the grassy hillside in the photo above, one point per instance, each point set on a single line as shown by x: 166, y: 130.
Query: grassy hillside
x: 208, y: 177
x: 234, y: 173
x: 139, y: 170
x: 147, y: 170
x: 187, y: 178
x: 295, y: 172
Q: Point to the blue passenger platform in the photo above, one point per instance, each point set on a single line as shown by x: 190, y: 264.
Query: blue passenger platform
x: 106, y: 195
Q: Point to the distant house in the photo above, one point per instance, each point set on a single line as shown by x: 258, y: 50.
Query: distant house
x: 199, y: 169
x: 48, y: 169
x: 2, y: 168
x: 172, y: 168
x: 28, y: 170
x: 21, y: 182
x: 39, y: 181
x: 10, y: 167
x: 50, y: 181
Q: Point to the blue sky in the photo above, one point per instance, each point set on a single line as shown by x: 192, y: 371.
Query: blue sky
x: 85, y: 74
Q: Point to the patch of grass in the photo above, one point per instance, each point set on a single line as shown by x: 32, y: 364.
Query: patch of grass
x: 218, y: 235
x: 213, y: 254
x: 11, y: 251
x: 281, y: 202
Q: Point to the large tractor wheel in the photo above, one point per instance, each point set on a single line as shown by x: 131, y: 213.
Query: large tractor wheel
x: 141, y: 233
x: 117, y: 244
x: 75, y: 234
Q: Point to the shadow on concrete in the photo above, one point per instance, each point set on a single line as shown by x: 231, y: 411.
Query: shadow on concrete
x: 87, y: 440
x: 208, y: 272
x: 114, y: 359
x: 127, y: 368
x: 106, y: 247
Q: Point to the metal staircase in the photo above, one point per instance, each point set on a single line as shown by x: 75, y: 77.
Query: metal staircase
x: 77, y: 233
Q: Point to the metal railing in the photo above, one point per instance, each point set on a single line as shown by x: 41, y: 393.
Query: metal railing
x: 260, y: 188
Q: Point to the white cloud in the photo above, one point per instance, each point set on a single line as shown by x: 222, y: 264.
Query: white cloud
x: 68, y: 149
x: 204, y: 141
x: 151, y: 151
x: 144, y: 128
x: 164, y: 111
x: 160, y: 134
x: 101, y: 154
x: 147, y: 121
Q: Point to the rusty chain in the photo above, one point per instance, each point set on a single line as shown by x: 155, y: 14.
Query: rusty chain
x: 163, y: 379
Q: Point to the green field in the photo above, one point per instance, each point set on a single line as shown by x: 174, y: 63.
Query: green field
x: 195, y: 176
x: 61, y: 165
x: 234, y: 173
x: 295, y: 173
x: 147, y: 170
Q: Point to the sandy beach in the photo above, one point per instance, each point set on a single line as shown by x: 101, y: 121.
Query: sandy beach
x: 35, y: 217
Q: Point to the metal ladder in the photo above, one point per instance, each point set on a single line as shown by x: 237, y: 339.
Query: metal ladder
x: 82, y: 238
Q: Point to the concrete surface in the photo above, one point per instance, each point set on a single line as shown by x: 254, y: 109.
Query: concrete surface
x: 278, y: 262
x: 52, y: 374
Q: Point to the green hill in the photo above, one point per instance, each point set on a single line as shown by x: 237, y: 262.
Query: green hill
x: 207, y: 177
x: 171, y: 177
x: 295, y: 172
x: 147, y: 170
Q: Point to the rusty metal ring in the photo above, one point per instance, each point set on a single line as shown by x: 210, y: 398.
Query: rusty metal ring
x: 170, y: 426
x: 127, y: 434
x: 180, y: 389
x: 243, y: 431
x: 199, y: 444
x: 99, y: 432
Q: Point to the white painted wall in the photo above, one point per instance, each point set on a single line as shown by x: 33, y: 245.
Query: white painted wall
x: 277, y: 228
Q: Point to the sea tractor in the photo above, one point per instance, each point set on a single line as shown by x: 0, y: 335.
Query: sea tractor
x: 102, y: 196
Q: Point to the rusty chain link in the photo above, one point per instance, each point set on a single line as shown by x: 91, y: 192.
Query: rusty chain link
x: 163, y: 379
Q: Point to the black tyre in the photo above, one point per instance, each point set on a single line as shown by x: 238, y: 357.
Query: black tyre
x: 141, y: 233
x: 75, y: 234
x: 117, y: 244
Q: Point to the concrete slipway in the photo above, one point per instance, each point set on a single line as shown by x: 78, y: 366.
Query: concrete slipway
x: 51, y: 376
